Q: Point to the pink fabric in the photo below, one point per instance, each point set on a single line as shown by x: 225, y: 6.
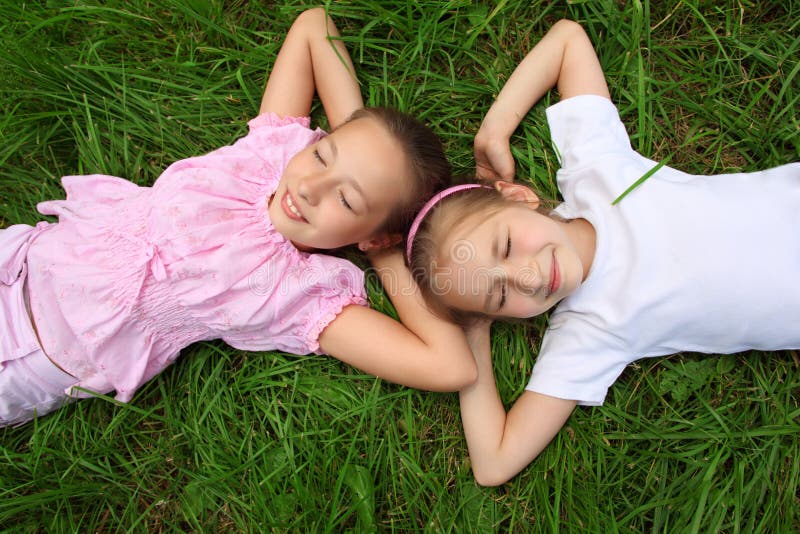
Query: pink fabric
x: 17, y: 338
x: 130, y: 275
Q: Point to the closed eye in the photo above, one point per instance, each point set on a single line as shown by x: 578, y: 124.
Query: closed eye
x: 318, y: 157
x: 503, y: 290
x: 508, y: 246
x: 344, y: 202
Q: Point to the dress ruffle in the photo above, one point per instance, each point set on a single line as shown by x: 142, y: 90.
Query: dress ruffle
x: 327, y: 315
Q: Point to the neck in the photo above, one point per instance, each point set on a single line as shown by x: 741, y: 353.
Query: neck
x: 584, y: 237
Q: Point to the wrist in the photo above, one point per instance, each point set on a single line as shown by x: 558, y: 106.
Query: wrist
x: 387, y: 257
x: 500, y: 122
x: 479, y: 339
x: 493, y: 134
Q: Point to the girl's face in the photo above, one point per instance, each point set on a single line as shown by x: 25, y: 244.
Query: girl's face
x: 340, y: 190
x: 516, y: 262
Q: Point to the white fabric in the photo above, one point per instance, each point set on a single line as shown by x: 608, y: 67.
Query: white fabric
x: 31, y: 386
x: 683, y: 263
x: 30, y: 383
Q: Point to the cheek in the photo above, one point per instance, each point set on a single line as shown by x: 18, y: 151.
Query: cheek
x: 532, y: 240
x: 290, y: 166
x: 445, y: 286
x: 300, y: 161
x: 537, y: 232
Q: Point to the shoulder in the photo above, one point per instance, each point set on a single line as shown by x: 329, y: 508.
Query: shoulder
x: 273, y: 120
x: 584, y: 105
x: 582, y: 110
x: 270, y: 131
x: 317, y: 276
x: 578, y: 359
x: 585, y: 127
x: 324, y: 286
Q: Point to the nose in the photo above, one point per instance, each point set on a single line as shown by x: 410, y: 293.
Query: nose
x: 312, y: 187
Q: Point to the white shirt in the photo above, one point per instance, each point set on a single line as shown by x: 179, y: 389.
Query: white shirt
x: 682, y: 263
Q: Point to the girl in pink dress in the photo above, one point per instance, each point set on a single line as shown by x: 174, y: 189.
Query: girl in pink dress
x: 226, y: 245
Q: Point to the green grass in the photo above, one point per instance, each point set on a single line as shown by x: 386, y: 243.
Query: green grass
x: 232, y: 441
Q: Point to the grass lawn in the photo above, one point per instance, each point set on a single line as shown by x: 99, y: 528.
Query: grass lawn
x: 231, y: 441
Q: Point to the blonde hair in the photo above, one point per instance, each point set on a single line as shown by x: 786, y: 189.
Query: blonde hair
x: 449, y: 215
x: 443, y: 218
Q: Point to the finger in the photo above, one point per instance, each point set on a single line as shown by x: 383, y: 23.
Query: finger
x: 486, y: 173
x: 505, y: 169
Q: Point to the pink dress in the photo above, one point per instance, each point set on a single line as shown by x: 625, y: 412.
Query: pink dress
x: 131, y: 275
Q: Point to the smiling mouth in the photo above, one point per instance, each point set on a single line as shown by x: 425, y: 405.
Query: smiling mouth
x: 289, y: 208
x: 555, y: 276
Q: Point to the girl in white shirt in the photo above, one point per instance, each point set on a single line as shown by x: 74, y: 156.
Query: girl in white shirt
x: 678, y: 263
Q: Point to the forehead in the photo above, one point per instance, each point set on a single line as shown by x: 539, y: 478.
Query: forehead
x: 469, y: 238
x: 369, y: 154
x: 466, y: 271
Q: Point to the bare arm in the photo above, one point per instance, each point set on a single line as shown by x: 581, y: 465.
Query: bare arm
x: 310, y: 61
x: 501, y: 445
x: 564, y: 58
x: 424, y: 351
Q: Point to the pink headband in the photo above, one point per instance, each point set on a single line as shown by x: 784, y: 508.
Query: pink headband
x: 412, y: 233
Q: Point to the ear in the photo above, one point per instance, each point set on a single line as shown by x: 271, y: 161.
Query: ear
x: 517, y: 193
x: 379, y: 242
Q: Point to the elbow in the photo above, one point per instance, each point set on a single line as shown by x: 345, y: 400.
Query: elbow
x: 493, y: 472
x: 466, y: 376
x: 312, y: 20
x: 495, y: 469
x: 568, y: 24
x: 313, y: 13
x: 457, y: 377
x: 469, y: 375
x: 571, y: 28
x: 489, y: 478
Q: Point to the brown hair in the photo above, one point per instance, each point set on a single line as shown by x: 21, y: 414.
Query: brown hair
x: 470, y: 206
x: 427, y: 163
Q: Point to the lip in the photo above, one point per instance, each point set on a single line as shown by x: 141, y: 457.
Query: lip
x: 289, y: 206
x: 555, y: 276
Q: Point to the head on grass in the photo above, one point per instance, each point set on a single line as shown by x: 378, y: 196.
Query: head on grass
x: 362, y: 184
x: 494, y: 252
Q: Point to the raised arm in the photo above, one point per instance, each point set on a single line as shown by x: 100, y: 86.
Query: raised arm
x: 564, y: 58
x: 424, y: 351
x: 501, y: 445
x: 311, y: 59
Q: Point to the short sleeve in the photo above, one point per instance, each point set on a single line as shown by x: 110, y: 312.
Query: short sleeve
x: 577, y: 361
x: 306, y: 299
x: 273, y: 120
x: 275, y: 140
x: 14, y: 243
x: 342, y: 285
x: 326, y: 312
x: 584, y: 128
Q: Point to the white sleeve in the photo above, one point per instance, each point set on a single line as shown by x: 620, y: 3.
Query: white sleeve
x: 577, y: 361
x: 585, y: 128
